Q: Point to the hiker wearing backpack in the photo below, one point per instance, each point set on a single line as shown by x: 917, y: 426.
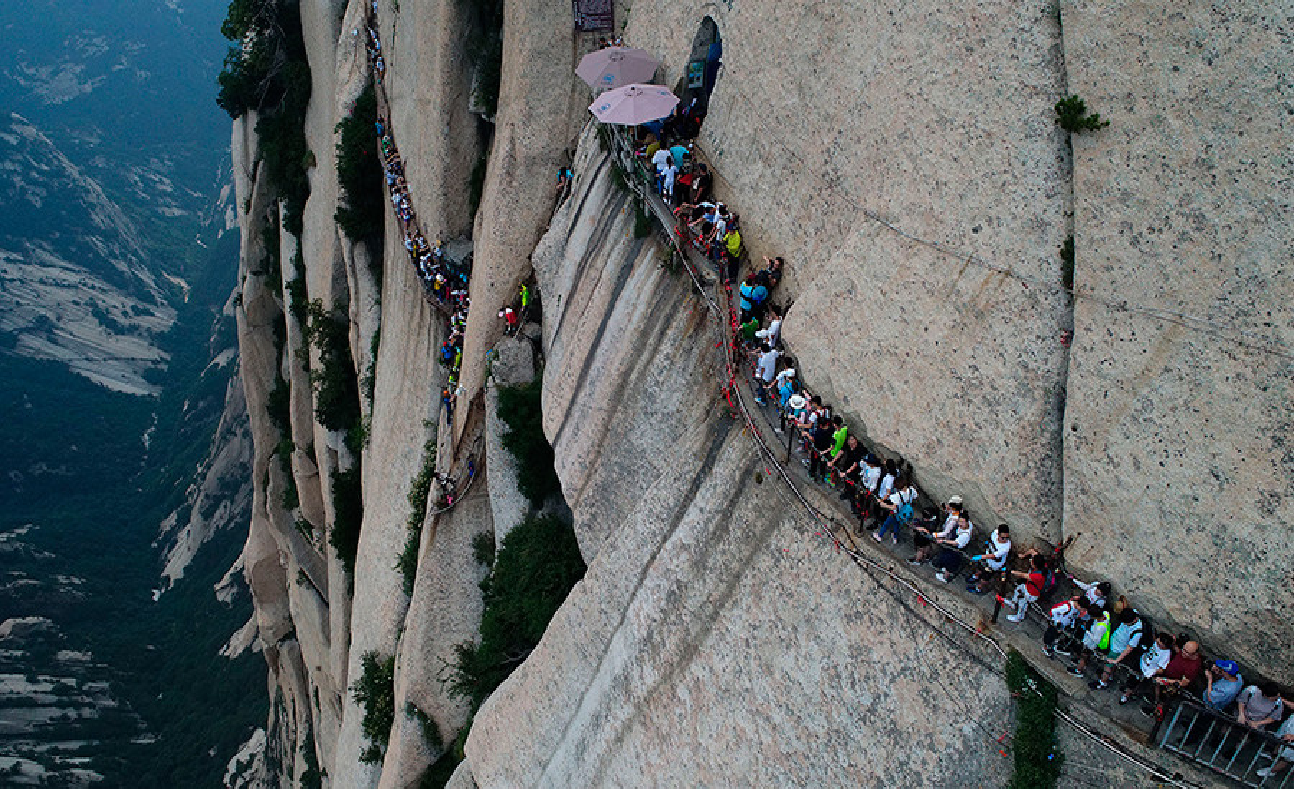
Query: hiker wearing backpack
x: 1123, y: 647
x: 899, y: 505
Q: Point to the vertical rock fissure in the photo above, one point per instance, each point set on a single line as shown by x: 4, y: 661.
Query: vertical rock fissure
x: 1069, y: 261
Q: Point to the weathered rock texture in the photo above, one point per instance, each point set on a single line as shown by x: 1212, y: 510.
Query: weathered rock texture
x: 1179, y: 440
x: 904, y: 159
x: 696, y: 651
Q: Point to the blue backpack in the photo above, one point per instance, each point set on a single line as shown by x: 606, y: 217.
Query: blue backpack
x: 904, y: 512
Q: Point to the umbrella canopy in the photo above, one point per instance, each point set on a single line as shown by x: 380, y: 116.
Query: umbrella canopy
x: 633, y: 104
x: 614, y: 67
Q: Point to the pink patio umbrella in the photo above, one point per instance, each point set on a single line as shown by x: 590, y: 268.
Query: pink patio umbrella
x: 633, y: 104
x: 614, y: 67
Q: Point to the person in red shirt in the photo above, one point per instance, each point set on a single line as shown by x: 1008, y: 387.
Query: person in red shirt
x: 1183, y: 670
x: 510, y: 316
x: 1029, y: 590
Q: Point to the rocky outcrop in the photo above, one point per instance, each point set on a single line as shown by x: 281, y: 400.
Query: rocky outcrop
x: 714, y: 640
x: 531, y: 131
x: 222, y: 499
x: 906, y: 162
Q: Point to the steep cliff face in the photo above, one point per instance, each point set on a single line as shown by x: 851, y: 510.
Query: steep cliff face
x: 906, y: 163
x: 715, y: 640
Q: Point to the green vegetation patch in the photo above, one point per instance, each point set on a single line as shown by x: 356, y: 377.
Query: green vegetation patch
x: 533, y: 572
x: 266, y: 70
x: 1067, y: 263
x: 1072, y: 116
x: 348, y: 515
x: 519, y: 407
x: 359, y: 172
x: 336, y: 391
x: 375, y: 691
x: 1037, y: 758
x: 419, y: 491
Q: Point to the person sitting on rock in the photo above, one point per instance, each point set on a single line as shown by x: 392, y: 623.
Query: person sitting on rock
x: 899, y: 509
x: 1183, y: 670
x: 1061, y: 619
x: 1154, y: 660
x: 950, y: 558
x: 1222, y: 683
x: 1258, y: 706
x: 1125, y: 647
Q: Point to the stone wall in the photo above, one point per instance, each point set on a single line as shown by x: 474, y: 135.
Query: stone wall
x: 1179, y: 458
x: 714, y: 640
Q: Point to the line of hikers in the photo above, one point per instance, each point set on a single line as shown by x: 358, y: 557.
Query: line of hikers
x: 444, y: 281
x: 1104, y: 635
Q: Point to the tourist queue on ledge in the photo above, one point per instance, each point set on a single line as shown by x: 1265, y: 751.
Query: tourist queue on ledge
x: 1101, y: 635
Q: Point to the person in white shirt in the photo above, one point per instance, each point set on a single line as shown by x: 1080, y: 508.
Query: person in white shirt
x: 994, y: 558
x: 1153, y: 661
x: 660, y: 158
x: 924, y: 538
x: 1059, y: 619
x: 667, y: 181
x: 950, y: 557
x: 765, y: 370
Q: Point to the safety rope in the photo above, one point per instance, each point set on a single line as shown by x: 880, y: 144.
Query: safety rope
x: 735, y: 398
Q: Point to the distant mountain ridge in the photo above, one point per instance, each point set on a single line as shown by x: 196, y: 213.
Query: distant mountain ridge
x: 76, y: 287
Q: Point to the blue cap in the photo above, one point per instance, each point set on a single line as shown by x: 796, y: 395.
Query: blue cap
x: 1227, y: 665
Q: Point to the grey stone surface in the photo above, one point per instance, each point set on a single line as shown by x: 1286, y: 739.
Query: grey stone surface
x: 715, y: 639
x: 1179, y: 452
x: 530, y: 132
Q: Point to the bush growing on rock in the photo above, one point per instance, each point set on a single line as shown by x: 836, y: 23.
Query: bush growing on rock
x: 1072, y: 115
x: 533, y: 572
x: 375, y: 691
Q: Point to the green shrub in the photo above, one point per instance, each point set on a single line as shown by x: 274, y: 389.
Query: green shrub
x: 476, y: 184
x: 359, y: 172
x: 369, y: 382
x: 267, y: 71
x: 533, y: 572
x: 375, y: 691
x: 298, y: 302
x: 348, y: 515
x: 519, y: 407
x: 336, y: 391
x: 1072, y: 116
x: 1067, y: 263
x: 642, y: 222
x: 483, y: 548
x: 1037, y: 759
x: 311, y: 777
x: 419, y: 492
x: 430, y: 731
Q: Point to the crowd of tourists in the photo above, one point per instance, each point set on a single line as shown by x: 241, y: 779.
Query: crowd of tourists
x: 1101, y: 636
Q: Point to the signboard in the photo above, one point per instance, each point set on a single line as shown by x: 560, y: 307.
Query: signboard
x: 696, y: 74
x: 593, y: 16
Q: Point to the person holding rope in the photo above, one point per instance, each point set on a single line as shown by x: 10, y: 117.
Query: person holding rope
x: 923, y: 538
x: 899, y: 506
